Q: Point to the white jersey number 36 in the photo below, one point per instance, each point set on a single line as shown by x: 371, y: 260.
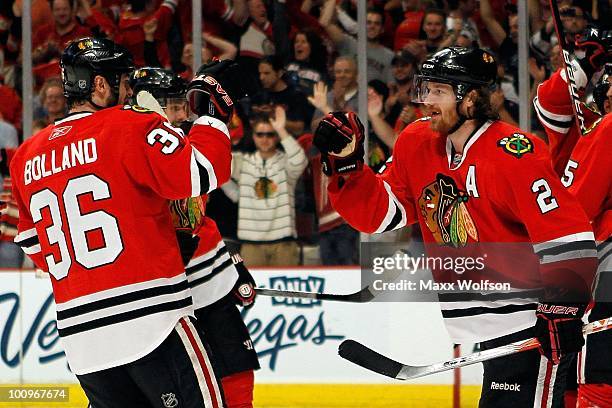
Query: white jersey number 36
x: 78, y: 224
x: 544, y: 197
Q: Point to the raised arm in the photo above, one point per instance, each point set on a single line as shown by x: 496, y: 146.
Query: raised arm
x: 228, y: 50
x: 327, y: 21
x: 370, y: 203
x: 296, y: 158
x: 380, y: 126
x: 495, y: 29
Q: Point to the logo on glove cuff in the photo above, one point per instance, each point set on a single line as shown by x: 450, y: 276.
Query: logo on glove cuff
x: 245, y: 290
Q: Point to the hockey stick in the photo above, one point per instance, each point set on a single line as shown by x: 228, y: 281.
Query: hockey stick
x: 567, y: 63
x: 146, y: 100
x: 362, y: 296
x: 367, y: 358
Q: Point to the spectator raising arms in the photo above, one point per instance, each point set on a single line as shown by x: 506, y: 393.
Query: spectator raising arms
x: 409, y: 28
x: 433, y: 35
x: 266, y: 180
x: 212, y: 46
x: 379, y: 57
x: 506, y: 42
x: 131, y: 32
x: 257, y: 41
x: 61, y: 30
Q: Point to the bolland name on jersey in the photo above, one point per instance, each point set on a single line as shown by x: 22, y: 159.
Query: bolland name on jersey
x: 58, y: 160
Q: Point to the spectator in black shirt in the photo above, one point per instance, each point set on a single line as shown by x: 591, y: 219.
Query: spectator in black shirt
x: 276, y: 92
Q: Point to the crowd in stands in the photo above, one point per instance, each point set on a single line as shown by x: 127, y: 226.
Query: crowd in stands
x: 302, y: 56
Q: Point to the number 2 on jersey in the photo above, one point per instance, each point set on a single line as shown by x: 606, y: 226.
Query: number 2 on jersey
x: 544, y: 198
x: 78, y: 225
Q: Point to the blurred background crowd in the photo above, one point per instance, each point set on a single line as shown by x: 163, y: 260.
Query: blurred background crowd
x: 299, y: 58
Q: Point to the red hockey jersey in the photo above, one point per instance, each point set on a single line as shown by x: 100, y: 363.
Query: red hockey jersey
x: 210, y: 272
x: 584, y: 161
x: 92, y: 192
x: 553, y: 107
x: 503, y: 190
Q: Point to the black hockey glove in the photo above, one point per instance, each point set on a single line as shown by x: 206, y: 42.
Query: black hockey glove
x: 597, y: 47
x: 206, y: 96
x: 188, y: 244
x: 340, y: 138
x: 244, y: 289
x: 559, y: 329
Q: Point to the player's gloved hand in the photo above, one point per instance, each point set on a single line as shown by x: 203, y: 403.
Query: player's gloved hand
x: 188, y: 244
x: 205, y: 94
x: 340, y: 138
x: 596, y: 46
x: 244, y: 289
x: 559, y: 329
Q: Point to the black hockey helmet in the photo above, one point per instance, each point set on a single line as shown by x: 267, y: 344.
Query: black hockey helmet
x: 601, y: 89
x: 161, y: 83
x: 85, y: 58
x: 463, y: 68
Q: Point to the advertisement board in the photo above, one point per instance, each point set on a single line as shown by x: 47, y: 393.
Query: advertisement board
x: 296, y: 339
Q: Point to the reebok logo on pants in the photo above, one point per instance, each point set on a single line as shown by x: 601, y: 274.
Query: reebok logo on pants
x: 505, y: 386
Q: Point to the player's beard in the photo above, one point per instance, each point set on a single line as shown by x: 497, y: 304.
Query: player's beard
x: 443, y: 121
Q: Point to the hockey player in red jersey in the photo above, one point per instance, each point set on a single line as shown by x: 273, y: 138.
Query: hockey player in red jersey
x: 92, y: 191
x: 468, y: 178
x: 218, y: 279
x: 587, y: 173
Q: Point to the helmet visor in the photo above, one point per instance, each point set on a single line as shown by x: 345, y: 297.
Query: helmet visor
x: 430, y: 92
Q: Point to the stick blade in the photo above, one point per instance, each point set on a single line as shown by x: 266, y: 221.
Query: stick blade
x: 369, y: 359
x: 363, y: 296
x: 146, y: 100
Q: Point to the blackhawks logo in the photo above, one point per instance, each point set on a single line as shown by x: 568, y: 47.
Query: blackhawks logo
x: 187, y: 214
x: 137, y: 108
x: 442, y: 205
x: 85, y: 44
x: 265, y: 188
x: 517, y: 145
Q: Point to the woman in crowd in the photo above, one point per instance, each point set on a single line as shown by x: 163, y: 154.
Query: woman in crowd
x: 308, y: 63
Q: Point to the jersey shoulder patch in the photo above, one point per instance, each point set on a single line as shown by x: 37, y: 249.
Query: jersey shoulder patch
x: 517, y: 145
x: 138, y: 109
